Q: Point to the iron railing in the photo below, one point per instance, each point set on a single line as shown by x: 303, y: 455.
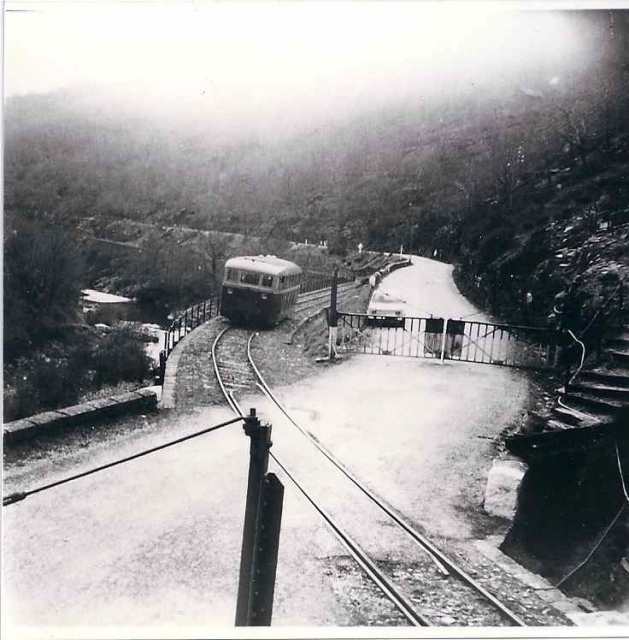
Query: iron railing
x: 190, y: 319
x: 314, y: 281
x: 448, y: 339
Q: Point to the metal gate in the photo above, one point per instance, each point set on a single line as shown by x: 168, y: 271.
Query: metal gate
x: 448, y: 339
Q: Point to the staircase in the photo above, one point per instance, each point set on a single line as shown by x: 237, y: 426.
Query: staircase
x: 598, y: 393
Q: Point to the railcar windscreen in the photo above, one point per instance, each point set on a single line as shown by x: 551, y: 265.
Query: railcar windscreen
x: 248, y: 277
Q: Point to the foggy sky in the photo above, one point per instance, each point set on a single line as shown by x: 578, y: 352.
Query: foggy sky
x: 260, y: 59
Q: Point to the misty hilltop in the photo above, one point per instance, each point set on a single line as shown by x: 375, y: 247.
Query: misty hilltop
x: 470, y: 164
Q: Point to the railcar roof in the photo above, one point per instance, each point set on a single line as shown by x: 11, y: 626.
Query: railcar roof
x: 263, y: 264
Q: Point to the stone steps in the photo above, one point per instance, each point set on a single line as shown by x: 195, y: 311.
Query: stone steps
x: 621, y: 357
x: 596, y: 397
x: 611, y: 377
x: 601, y: 390
x: 572, y: 417
x: 599, y: 408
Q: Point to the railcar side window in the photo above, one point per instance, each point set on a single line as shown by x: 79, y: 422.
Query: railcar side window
x: 247, y: 277
x: 267, y: 281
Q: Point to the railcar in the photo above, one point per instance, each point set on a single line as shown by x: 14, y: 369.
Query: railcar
x: 259, y: 290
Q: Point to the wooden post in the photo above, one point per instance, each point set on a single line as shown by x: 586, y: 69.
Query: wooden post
x: 162, y: 367
x: 333, y: 317
x: 258, y: 464
x: 333, y: 299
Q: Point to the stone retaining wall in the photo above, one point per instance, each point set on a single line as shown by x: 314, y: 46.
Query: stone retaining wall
x: 95, y: 410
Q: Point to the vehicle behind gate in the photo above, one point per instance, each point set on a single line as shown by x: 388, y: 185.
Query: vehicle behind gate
x: 259, y: 290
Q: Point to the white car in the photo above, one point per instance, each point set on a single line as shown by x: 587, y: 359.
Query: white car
x: 385, y: 310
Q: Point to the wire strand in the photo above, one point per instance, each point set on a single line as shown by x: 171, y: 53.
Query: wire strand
x: 12, y: 498
x: 594, y: 548
x: 622, y: 477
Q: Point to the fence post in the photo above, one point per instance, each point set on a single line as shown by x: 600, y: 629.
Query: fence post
x: 204, y: 303
x: 443, y: 340
x: 258, y: 464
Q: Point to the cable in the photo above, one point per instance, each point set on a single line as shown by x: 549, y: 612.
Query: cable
x: 607, y: 529
x: 622, y: 477
x: 576, y: 373
x: 20, y: 495
x: 594, y: 548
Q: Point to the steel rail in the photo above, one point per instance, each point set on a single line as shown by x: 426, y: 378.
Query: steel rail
x: 314, y: 299
x: 370, y: 568
x: 421, y: 540
x: 355, y: 551
x: 443, y: 562
x: 219, y: 378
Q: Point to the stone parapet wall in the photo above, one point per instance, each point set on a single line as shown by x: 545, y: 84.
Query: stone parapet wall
x: 95, y: 410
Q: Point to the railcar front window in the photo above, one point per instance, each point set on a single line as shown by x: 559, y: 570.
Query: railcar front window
x: 282, y: 282
x: 232, y: 275
x: 246, y: 277
x: 267, y: 281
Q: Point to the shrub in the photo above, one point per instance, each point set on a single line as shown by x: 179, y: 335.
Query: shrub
x: 118, y: 356
x: 65, y: 372
x: 42, y: 383
x: 42, y: 282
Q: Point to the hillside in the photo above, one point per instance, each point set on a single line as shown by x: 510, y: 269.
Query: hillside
x: 516, y: 173
x: 479, y: 172
x: 511, y: 175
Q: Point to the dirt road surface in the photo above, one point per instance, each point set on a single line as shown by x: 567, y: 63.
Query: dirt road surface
x: 152, y: 547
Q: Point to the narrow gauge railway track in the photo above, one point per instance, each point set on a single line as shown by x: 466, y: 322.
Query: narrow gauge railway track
x: 413, y: 574
x: 321, y: 298
x: 234, y: 372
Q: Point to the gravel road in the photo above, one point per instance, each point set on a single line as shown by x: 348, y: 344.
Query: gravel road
x: 151, y: 548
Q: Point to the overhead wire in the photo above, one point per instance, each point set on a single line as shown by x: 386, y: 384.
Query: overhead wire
x: 21, y: 495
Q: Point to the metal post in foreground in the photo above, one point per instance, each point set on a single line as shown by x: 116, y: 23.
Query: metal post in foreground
x: 267, y: 551
x: 258, y: 464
